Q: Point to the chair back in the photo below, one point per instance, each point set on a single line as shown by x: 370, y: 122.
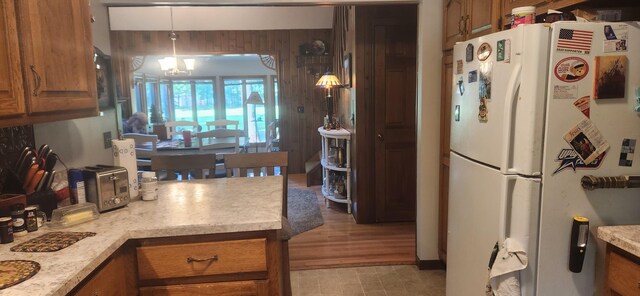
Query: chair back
x: 219, y: 139
x: 194, y: 165
x: 260, y: 163
x: 222, y: 123
x: 172, y: 127
x: 143, y: 154
x: 272, y: 137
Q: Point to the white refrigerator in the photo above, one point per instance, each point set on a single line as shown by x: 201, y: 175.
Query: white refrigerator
x: 533, y: 109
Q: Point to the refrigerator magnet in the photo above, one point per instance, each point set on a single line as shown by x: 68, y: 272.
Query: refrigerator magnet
x: 568, y: 158
x: 583, y: 105
x: 610, y: 78
x: 483, y: 111
x: 571, y: 69
x: 626, y: 152
x: 586, y: 139
x: 565, y: 92
x: 574, y: 41
x: 459, y: 67
x: 500, y: 50
x: 469, y: 53
x: 460, y: 86
x: 473, y: 76
x: 484, y: 51
x: 615, y: 38
x: 485, y: 80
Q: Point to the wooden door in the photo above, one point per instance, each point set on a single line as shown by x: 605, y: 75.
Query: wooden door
x: 11, y: 88
x: 58, y: 55
x: 454, y: 18
x: 445, y: 132
x: 394, y: 54
x: 483, y: 17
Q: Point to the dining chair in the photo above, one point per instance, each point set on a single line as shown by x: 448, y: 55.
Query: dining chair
x: 265, y: 163
x: 196, y: 166
x: 222, y: 123
x: 146, y: 146
x: 219, y: 139
x: 172, y: 127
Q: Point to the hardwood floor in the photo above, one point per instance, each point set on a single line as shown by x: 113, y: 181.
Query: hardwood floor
x: 340, y: 242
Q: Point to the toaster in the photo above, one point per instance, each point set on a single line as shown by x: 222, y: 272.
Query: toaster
x: 106, y: 186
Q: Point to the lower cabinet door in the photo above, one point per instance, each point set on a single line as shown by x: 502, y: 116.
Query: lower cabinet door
x: 244, y: 288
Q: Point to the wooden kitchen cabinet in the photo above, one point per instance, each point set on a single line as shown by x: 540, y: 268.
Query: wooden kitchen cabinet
x: 467, y: 19
x: 623, y: 272
x: 54, y: 78
x: 445, y: 135
x: 222, y: 264
x: 11, y: 89
x: 116, y: 277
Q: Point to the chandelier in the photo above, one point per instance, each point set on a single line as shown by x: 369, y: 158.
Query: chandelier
x: 170, y: 64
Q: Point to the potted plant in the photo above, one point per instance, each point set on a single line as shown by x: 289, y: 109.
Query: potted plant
x: 157, y: 122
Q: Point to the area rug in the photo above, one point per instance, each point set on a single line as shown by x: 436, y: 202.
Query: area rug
x: 303, y: 211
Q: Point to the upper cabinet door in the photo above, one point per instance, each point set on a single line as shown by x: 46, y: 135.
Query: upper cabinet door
x: 58, y: 55
x: 454, y: 19
x: 483, y: 16
x: 11, y: 89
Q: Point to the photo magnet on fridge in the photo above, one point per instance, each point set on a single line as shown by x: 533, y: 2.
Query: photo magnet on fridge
x: 586, y: 139
x: 469, y: 53
x: 483, y: 111
x: 615, y: 38
x: 500, y: 50
x: 459, y: 67
x: 484, y: 51
x: 571, y: 69
x: 460, y: 86
x: 485, y: 80
x: 473, y: 76
x: 610, y: 77
x: 626, y: 152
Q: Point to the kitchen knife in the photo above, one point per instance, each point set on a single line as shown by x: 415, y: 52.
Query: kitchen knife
x: 22, y: 157
x: 50, y: 162
x: 52, y: 175
x: 24, y: 168
x: 45, y: 178
x: 30, y: 173
x: 45, y: 152
x: 24, y: 164
x: 31, y: 186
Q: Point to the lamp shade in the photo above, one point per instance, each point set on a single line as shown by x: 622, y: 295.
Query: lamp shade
x: 328, y: 80
x: 168, y: 63
x: 190, y: 64
x: 254, y: 98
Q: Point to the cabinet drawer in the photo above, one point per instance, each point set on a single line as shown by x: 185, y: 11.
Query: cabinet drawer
x: 247, y: 288
x: 623, y: 275
x: 200, y: 259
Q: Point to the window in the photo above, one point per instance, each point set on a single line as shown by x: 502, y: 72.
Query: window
x: 250, y: 116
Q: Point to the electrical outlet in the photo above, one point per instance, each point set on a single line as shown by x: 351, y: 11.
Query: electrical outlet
x: 301, y: 109
x: 107, y: 139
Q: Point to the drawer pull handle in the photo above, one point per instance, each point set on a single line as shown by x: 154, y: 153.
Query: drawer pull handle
x: 213, y: 259
x: 36, y: 80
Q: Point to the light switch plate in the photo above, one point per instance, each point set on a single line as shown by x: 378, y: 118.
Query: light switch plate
x: 107, y: 140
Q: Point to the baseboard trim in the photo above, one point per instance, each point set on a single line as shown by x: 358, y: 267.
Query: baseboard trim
x: 429, y: 264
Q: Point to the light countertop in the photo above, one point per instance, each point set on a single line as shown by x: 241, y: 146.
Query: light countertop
x: 183, y: 208
x: 626, y: 237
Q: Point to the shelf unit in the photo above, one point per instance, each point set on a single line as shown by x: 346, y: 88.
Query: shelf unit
x: 327, y: 167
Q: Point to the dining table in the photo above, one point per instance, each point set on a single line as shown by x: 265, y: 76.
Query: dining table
x: 177, y: 147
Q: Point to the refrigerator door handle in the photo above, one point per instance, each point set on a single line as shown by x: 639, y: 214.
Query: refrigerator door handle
x: 508, y: 119
x: 506, y: 194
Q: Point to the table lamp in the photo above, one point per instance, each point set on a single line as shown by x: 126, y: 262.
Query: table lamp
x: 329, y: 81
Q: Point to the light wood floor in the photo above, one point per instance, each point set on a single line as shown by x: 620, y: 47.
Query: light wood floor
x: 340, y: 242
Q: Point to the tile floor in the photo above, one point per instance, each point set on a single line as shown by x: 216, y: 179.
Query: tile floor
x: 392, y: 280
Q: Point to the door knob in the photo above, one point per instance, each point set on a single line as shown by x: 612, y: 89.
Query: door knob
x: 380, y: 138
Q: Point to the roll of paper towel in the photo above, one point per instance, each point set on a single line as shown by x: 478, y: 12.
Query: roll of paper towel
x: 124, y: 155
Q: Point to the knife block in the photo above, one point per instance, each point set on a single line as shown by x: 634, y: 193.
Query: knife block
x: 46, y: 199
x: 10, y: 183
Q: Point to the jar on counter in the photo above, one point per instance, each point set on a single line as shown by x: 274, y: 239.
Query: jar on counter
x: 17, y: 215
x: 31, y: 218
x: 149, y: 186
x: 6, y: 230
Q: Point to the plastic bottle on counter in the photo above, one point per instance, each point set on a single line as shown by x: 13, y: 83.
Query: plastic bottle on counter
x: 76, y: 186
x: 149, y: 186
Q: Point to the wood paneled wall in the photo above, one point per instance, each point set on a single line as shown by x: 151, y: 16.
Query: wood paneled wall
x: 297, y: 73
